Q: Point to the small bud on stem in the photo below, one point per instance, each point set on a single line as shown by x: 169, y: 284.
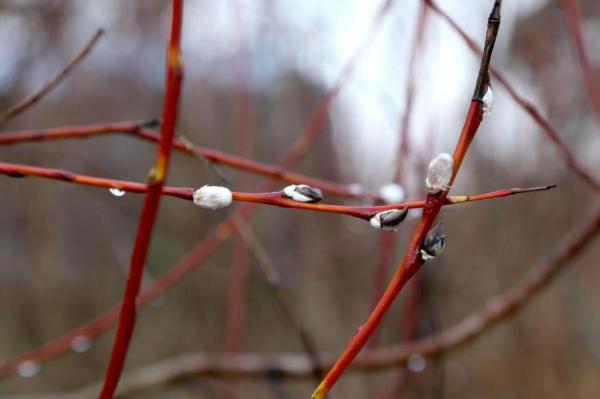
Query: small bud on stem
x: 212, y: 197
x: 439, y: 173
x: 303, y: 193
x: 434, y: 243
x: 388, y: 220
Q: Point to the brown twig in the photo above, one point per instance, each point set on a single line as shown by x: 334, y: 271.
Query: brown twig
x: 36, y: 96
x: 254, y: 365
x: 572, y: 14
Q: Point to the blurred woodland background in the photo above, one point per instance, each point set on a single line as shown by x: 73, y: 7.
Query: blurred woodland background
x: 256, y: 72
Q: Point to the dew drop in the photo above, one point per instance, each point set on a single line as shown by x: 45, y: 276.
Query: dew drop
x: 416, y: 363
x: 80, y: 344
x: 28, y: 368
x: 116, y: 192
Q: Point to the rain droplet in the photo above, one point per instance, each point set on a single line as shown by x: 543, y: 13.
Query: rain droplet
x: 80, y: 344
x: 416, y: 363
x: 28, y: 368
x: 117, y: 192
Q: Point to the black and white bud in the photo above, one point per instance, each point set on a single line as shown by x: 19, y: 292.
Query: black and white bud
x: 392, y: 193
x: 434, y: 243
x: 303, y: 193
x: 212, y: 197
x: 488, y: 101
x: 388, y: 220
x: 439, y: 173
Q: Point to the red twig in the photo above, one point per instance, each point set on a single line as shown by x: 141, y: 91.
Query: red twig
x: 412, y: 260
x: 275, y: 198
x: 529, y: 107
x: 495, y: 310
x: 572, y: 14
x: 36, y: 96
x: 136, y: 130
x: 155, y: 184
x: 189, y: 263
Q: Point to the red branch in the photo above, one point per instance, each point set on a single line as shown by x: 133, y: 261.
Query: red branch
x: 136, y: 130
x: 572, y: 14
x: 156, y: 181
x: 275, y: 198
x: 529, y: 107
x: 412, y: 260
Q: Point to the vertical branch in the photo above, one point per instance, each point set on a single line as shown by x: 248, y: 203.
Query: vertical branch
x: 572, y: 14
x: 155, y: 183
x: 412, y: 260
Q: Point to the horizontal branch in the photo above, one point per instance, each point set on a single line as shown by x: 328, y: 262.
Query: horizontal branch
x: 288, y: 365
x: 276, y: 198
x: 137, y: 130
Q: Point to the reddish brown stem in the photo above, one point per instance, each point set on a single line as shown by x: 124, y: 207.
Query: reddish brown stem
x: 156, y: 181
x: 412, y: 260
x: 134, y: 129
x: 494, y: 311
x: 572, y: 14
x: 271, y: 198
x: 36, y: 96
x: 529, y: 107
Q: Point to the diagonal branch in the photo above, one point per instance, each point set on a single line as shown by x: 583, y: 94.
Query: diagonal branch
x: 36, y: 96
x: 527, y: 106
x: 294, y: 366
x: 412, y: 260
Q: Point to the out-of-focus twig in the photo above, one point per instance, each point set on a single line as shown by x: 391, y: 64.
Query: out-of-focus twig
x: 36, y: 96
x: 254, y: 365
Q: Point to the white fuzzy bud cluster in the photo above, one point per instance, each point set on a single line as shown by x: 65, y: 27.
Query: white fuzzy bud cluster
x: 212, y: 197
x: 439, y: 173
x: 434, y: 243
x: 388, y: 220
x: 303, y: 193
x: 392, y: 193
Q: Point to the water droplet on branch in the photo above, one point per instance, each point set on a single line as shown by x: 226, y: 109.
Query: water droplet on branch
x: 117, y: 192
x: 80, y: 344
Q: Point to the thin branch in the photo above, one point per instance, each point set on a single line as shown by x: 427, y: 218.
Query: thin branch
x: 156, y: 179
x: 136, y: 129
x: 412, y: 260
x: 572, y: 14
x: 296, y: 366
x: 36, y: 96
x: 276, y: 198
x: 185, y: 266
x: 527, y: 106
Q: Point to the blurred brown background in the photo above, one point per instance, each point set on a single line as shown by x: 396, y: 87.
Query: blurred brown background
x: 64, y: 249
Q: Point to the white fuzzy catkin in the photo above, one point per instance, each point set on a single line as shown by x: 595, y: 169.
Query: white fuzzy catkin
x: 302, y: 193
x: 212, y: 197
x: 439, y: 173
x: 392, y: 193
x: 488, y: 101
x: 388, y: 220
